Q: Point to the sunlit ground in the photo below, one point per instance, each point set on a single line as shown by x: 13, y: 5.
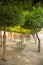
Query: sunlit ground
x: 26, y: 55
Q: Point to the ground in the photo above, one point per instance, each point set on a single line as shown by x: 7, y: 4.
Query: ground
x: 27, y: 55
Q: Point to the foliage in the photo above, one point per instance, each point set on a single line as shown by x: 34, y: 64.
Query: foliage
x: 18, y: 12
x: 34, y: 19
x: 18, y: 29
x: 8, y: 15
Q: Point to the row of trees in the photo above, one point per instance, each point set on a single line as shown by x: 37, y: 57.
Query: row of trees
x: 27, y: 14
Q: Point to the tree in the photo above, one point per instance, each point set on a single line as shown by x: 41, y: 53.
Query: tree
x: 9, y: 13
x: 34, y: 21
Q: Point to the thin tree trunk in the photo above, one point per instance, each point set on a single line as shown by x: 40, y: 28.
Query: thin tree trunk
x: 4, y: 46
x: 1, y: 42
x: 35, y: 40
x: 34, y: 37
x: 0, y: 38
x: 14, y: 36
x: 38, y: 42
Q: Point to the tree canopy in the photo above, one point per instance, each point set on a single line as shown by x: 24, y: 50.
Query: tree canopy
x: 34, y: 19
x: 8, y: 15
x: 13, y: 12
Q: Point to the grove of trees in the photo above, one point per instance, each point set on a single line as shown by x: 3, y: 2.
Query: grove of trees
x: 27, y: 14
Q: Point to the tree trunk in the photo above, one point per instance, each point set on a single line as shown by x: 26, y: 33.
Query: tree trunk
x: 14, y: 36
x: 0, y: 38
x: 38, y: 42
x: 35, y: 40
x: 4, y: 46
x: 34, y: 37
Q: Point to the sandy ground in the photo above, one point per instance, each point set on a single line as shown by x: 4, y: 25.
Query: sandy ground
x: 27, y: 55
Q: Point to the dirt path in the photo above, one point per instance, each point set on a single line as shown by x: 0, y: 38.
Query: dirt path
x: 26, y: 56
